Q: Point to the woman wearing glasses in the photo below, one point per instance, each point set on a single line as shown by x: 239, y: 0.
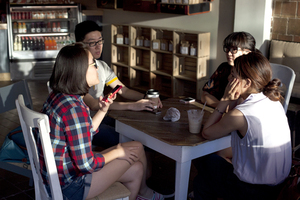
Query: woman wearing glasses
x: 234, y: 45
x: 83, y: 173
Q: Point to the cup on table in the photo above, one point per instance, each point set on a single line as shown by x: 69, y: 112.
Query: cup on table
x: 154, y: 96
x: 195, y: 120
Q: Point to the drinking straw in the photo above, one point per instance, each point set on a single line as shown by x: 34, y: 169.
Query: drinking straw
x: 203, y: 107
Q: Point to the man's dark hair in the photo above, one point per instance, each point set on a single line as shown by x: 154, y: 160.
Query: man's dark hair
x: 84, y: 28
x: 69, y: 72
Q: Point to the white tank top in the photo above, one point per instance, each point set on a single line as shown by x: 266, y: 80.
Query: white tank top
x: 264, y: 154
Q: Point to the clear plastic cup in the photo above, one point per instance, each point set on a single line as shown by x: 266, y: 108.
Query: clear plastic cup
x: 195, y: 117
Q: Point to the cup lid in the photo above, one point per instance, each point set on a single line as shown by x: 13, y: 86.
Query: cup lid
x: 153, y: 92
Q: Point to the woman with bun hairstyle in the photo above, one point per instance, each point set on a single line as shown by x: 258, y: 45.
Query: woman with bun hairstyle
x: 260, y: 137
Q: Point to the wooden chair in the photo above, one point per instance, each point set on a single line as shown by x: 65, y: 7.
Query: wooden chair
x: 287, y: 77
x: 30, y: 119
x: 7, y: 96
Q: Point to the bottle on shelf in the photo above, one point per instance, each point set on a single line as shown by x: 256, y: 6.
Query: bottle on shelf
x: 44, y: 28
x: 19, y: 44
x: 54, y: 44
x: 46, y: 44
x: 23, y: 44
x: 49, y: 27
x: 29, y: 43
x: 15, y: 27
x: 38, y: 27
x: 53, y: 27
x: 34, y: 46
x: 20, y: 28
x: 16, y: 43
x: 33, y: 30
x: 24, y: 27
x: 58, y: 29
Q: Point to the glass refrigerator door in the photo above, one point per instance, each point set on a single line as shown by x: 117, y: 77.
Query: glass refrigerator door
x: 38, y: 32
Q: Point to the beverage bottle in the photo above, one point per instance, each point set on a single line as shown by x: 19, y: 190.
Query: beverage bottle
x: 24, y: 28
x: 48, y: 27
x: 16, y: 44
x: 43, y: 26
x: 53, y: 27
x: 46, y: 44
x: 19, y: 44
x: 35, y: 45
x: 28, y: 43
x: 54, y: 44
x: 20, y: 28
x: 33, y: 27
x: 42, y: 44
x: 59, y: 43
x: 23, y: 44
x: 38, y: 27
x: 15, y: 27
x: 58, y: 27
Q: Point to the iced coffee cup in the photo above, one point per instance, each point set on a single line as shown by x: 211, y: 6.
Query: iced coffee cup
x: 154, y: 96
x: 195, y: 117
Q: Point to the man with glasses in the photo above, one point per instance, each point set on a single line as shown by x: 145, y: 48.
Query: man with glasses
x: 89, y: 33
x: 234, y: 45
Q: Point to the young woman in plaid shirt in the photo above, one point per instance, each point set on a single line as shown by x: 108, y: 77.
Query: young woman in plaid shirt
x: 83, y: 173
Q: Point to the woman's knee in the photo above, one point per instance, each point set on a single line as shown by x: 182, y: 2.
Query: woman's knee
x: 137, y: 169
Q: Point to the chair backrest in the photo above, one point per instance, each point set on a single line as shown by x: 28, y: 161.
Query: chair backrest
x: 30, y: 119
x: 287, y: 77
x: 9, y: 93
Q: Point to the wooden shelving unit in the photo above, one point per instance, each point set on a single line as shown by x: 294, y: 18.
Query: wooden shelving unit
x: 141, y: 58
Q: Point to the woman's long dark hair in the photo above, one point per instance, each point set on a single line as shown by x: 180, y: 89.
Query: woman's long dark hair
x: 69, y: 72
x: 257, y: 68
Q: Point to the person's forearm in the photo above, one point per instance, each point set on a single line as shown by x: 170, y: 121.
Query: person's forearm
x: 121, y: 105
x: 97, y: 119
x: 217, y: 114
x: 132, y: 95
x: 111, y: 155
x: 209, y: 99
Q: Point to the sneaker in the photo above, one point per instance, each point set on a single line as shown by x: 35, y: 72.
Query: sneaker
x: 156, y: 196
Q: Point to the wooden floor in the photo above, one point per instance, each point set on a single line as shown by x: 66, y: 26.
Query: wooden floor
x: 16, y: 187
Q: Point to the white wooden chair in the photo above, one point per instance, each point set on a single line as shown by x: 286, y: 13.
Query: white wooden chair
x: 287, y: 77
x: 30, y: 119
x: 8, y: 94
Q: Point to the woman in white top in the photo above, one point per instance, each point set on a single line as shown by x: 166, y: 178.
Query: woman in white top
x: 260, y: 137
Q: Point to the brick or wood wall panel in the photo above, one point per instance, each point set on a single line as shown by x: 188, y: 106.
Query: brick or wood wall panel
x: 286, y: 20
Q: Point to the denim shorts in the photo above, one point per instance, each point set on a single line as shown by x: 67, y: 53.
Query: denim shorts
x: 77, y: 189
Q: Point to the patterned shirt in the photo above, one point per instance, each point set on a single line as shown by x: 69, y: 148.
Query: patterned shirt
x: 218, y: 81
x: 71, y: 135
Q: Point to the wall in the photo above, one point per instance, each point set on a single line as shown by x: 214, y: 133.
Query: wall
x: 286, y: 20
x: 257, y: 22
x: 213, y: 22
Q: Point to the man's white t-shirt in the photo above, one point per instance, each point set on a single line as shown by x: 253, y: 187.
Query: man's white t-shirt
x: 106, y: 76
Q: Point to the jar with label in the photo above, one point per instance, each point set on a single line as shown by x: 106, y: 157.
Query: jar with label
x: 126, y: 39
x: 146, y: 42
x: 156, y: 44
x: 193, y: 50
x: 171, y: 45
x: 119, y: 39
x: 140, y: 41
x: 163, y: 45
x: 184, y: 47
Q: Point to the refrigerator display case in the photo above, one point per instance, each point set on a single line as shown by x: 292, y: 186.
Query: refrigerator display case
x: 36, y: 33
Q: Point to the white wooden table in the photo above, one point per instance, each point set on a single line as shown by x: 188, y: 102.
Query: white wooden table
x: 171, y: 139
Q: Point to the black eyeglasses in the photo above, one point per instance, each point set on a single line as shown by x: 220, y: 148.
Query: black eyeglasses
x: 95, y: 64
x: 92, y: 44
x: 233, y: 50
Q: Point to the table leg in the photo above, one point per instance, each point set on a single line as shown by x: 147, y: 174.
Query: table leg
x: 182, y: 180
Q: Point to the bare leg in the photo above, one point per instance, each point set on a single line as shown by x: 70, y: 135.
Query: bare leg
x: 119, y: 170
